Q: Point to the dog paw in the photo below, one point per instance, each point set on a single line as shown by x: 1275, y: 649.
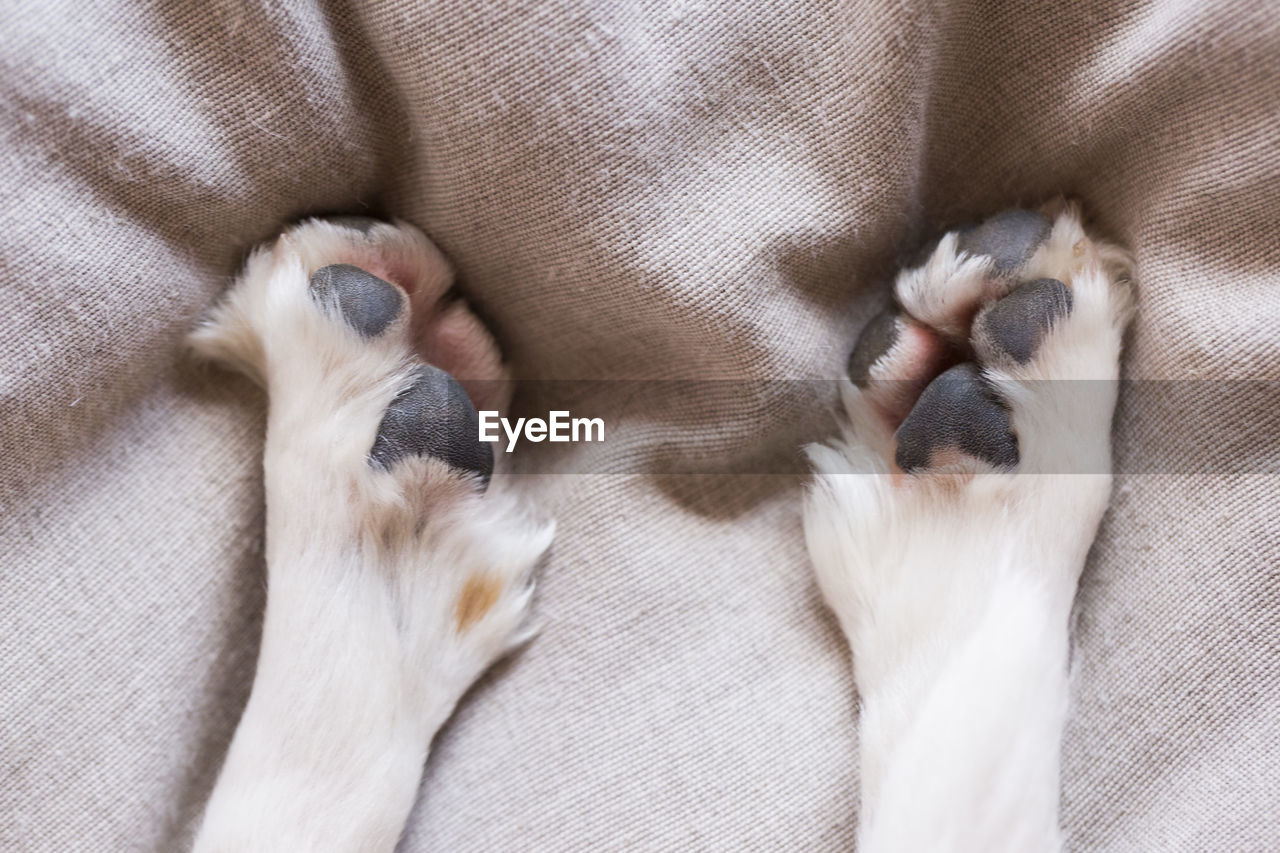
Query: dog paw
x: 948, y: 524
x: 374, y: 465
x: 992, y: 342
x: 978, y: 409
x: 386, y: 283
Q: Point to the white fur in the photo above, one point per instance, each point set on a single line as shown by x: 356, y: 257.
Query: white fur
x: 947, y: 309
x: 367, y: 641
x: 954, y: 589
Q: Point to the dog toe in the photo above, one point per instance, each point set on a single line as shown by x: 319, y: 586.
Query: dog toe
x: 876, y: 340
x: 1008, y: 238
x: 1015, y: 325
x: 363, y: 224
x: 367, y: 303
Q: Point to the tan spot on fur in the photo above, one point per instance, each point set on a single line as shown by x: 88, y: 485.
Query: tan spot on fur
x: 479, y: 593
x: 1079, y: 248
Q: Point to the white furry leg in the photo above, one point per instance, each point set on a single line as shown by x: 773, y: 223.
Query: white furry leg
x: 948, y: 526
x: 394, y: 581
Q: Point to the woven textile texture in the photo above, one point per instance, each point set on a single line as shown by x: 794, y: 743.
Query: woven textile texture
x: 666, y: 190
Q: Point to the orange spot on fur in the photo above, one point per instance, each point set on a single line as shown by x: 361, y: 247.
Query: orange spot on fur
x: 479, y: 593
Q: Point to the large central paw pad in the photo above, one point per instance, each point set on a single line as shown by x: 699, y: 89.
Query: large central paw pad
x: 959, y: 412
x: 433, y: 417
x: 1017, y: 298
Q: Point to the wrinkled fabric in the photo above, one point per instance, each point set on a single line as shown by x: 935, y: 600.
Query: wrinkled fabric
x: 664, y: 190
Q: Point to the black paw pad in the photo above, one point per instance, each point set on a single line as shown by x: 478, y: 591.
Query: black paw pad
x: 363, y: 224
x: 959, y: 411
x: 1017, y: 323
x: 1008, y: 238
x: 877, y: 338
x: 367, y: 303
x: 433, y: 417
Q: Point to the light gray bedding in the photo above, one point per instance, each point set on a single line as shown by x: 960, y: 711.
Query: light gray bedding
x: 671, y: 189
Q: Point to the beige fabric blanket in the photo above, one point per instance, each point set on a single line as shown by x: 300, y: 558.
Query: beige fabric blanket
x: 685, y: 189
